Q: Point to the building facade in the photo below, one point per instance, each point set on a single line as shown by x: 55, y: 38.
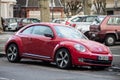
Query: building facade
x: 7, y: 8
x: 113, y: 7
x: 31, y: 8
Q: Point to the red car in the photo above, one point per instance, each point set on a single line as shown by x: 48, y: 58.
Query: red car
x: 57, y: 43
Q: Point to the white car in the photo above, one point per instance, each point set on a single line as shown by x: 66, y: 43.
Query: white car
x: 12, y: 27
x: 83, y: 22
x: 11, y: 24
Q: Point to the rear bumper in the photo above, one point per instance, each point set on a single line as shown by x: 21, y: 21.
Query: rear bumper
x: 96, y: 36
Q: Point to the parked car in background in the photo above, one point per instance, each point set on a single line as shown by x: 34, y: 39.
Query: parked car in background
x: 11, y: 24
x: 107, y: 31
x: 83, y: 22
x: 57, y: 43
x: 77, y: 18
x: 25, y: 21
x: 60, y: 21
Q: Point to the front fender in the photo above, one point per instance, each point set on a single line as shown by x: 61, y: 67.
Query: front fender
x: 67, y: 45
x: 15, y: 40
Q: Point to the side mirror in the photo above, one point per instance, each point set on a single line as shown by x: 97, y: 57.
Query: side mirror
x: 49, y: 35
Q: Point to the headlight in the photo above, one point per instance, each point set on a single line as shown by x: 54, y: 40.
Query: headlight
x: 79, y: 47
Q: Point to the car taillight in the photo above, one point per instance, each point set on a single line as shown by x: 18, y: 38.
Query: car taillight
x: 20, y: 24
x: 73, y: 25
x: 67, y: 23
x: 95, y: 28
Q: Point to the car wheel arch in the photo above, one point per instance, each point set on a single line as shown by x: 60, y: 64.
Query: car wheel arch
x: 19, y: 45
x: 62, y: 48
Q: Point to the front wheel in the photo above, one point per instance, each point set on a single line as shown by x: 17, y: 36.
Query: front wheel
x: 12, y: 53
x: 110, y: 40
x: 63, y: 59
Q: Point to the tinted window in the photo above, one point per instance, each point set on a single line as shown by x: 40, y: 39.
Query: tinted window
x: 28, y: 30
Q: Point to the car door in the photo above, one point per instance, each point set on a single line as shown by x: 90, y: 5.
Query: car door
x: 26, y: 38
x: 43, y: 46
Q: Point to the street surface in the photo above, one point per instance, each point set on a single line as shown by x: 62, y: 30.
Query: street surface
x: 37, y: 70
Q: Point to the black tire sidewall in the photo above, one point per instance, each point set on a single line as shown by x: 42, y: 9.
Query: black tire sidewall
x: 17, y: 58
x: 69, y: 59
x: 106, y: 40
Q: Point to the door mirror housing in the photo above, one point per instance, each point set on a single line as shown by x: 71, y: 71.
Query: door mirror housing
x: 49, y: 35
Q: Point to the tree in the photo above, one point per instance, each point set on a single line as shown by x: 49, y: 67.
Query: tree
x: 99, y: 7
x: 74, y: 7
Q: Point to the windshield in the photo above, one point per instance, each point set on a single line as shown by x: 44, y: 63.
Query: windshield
x: 69, y: 32
x: 99, y: 20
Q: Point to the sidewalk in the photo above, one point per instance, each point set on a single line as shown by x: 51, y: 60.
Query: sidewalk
x: 4, y: 36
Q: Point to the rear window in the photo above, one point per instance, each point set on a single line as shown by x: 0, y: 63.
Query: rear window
x: 114, y: 21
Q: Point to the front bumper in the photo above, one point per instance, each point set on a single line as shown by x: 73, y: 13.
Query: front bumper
x: 89, y: 59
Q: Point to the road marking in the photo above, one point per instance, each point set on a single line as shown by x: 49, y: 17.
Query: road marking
x: 116, y: 55
x: 1, y: 78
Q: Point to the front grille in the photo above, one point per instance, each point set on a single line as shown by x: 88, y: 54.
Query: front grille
x: 97, y: 61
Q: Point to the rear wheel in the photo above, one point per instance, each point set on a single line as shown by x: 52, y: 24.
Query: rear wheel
x: 110, y: 40
x: 12, y: 53
x: 63, y: 59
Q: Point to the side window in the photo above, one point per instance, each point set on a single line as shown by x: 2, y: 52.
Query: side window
x: 28, y: 30
x: 90, y: 19
x: 77, y: 19
x: 114, y: 21
x: 25, y: 21
x: 41, y: 30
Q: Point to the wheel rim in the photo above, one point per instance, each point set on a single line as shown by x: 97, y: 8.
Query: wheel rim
x: 110, y: 40
x: 12, y: 53
x: 62, y: 59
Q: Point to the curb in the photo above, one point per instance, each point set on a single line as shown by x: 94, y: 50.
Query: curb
x: 2, y: 55
x: 115, y: 68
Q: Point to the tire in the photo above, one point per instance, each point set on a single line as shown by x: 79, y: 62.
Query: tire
x: 63, y: 59
x: 12, y: 53
x: 110, y: 40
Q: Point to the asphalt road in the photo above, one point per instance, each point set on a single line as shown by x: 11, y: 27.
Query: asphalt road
x: 37, y: 70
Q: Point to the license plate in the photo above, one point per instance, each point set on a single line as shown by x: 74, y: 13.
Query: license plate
x: 103, y: 58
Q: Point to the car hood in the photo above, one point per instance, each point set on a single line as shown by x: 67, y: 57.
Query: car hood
x: 94, y: 47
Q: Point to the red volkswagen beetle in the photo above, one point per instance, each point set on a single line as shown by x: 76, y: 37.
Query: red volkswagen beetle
x: 57, y: 43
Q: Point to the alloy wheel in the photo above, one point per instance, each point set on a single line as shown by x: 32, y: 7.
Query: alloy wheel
x: 63, y: 58
x: 12, y: 53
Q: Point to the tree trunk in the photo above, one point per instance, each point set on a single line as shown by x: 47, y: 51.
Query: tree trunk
x: 44, y: 10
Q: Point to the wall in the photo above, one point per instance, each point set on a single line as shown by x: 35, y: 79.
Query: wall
x: 7, y: 8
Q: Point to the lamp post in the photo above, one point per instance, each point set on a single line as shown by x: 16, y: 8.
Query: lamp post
x: 1, y: 28
x: 52, y: 8
x: 115, y: 2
